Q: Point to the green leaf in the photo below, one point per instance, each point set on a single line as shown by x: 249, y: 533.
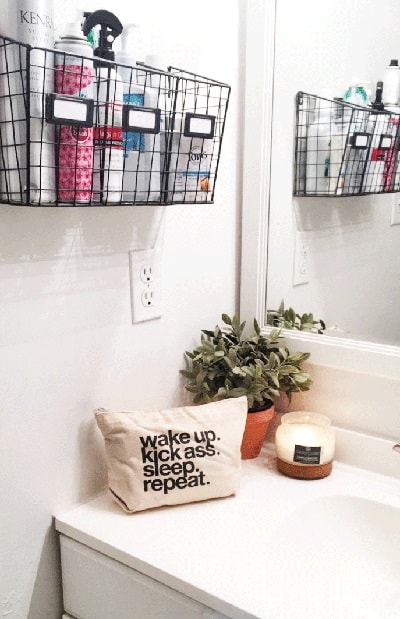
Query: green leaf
x: 288, y: 369
x: 274, y: 335
x: 274, y: 360
x: 237, y: 392
x: 200, y: 377
x: 208, y: 333
x: 302, y: 378
x: 283, y: 352
x: 220, y: 353
x: 296, y: 357
x: 186, y: 373
x: 307, y: 326
x: 237, y: 370
x: 291, y: 315
x: 275, y: 380
x: 226, y: 319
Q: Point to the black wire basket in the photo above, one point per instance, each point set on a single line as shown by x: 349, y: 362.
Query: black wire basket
x: 343, y: 149
x: 138, y: 135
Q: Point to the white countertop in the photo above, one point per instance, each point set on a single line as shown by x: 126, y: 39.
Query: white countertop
x: 219, y: 552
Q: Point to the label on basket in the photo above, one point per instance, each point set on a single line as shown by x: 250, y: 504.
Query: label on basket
x: 108, y: 136
x: 307, y: 455
x: 378, y: 154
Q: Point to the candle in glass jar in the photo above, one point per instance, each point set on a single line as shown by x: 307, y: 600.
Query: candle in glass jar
x: 305, y: 438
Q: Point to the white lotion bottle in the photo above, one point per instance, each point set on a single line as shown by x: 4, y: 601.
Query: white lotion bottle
x: 391, y: 83
x: 35, y: 27
x: 142, y: 173
x: 108, y: 160
x: 338, y: 142
x: 319, y: 150
x: 33, y: 180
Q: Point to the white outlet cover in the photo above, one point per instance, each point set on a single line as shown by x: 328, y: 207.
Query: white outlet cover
x: 395, y: 216
x: 148, y: 260
x: 301, y: 262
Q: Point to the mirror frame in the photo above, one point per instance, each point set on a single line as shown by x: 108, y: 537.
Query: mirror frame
x: 338, y: 352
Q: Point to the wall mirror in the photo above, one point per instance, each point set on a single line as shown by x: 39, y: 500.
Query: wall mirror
x: 353, y: 271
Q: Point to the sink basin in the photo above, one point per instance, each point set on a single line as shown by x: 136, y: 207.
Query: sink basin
x: 338, y: 557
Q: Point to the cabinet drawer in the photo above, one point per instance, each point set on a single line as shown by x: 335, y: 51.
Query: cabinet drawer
x: 97, y: 587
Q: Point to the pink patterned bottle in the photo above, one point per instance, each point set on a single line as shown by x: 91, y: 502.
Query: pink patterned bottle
x: 74, y: 76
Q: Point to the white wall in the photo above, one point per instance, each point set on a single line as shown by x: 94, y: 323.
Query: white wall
x: 354, y: 259
x: 67, y: 344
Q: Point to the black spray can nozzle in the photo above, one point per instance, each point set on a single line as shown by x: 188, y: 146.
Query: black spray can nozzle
x: 377, y: 104
x: 110, y: 29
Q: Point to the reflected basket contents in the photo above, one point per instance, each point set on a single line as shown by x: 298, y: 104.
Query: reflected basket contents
x: 342, y: 149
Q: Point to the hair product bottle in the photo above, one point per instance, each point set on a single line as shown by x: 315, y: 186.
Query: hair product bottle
x: 108, y: 161
x: 381, y: 143
x: 74, y: 76
x: 142, y: 175
x: 189, y: 174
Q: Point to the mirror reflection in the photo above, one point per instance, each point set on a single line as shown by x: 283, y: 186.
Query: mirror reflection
x: 335, y: 258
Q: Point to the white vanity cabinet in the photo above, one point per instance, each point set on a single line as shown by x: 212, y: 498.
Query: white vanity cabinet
x: 98, y: 587
x: 243, y: 557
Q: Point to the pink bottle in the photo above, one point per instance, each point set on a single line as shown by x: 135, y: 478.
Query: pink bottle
x: 74, y: 76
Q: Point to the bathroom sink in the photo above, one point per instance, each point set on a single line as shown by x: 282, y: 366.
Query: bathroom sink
x: 338, y: 556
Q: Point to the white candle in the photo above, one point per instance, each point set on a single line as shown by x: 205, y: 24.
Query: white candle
x: 305, y: 438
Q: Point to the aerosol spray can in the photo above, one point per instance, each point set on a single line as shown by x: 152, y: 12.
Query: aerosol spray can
x: 108, y: 136
x: 74, y: 76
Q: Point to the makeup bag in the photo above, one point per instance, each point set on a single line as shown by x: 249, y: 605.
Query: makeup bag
x: 173, y: 455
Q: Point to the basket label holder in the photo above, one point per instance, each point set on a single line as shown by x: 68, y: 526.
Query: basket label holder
x: 141, y: 119
x: 199, y: 126
x: 66, y: 110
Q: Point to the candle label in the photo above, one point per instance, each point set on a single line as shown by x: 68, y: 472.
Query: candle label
x: 307, y: 455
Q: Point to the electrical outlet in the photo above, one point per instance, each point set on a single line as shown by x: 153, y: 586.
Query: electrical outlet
x: 144, y: 270
x: 301, y: 260
x: 395, y: 218
x: 148, y: 297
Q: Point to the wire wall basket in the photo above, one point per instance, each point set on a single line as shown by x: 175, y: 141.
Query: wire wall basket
x: 343, y: 149
x: 76, y: 136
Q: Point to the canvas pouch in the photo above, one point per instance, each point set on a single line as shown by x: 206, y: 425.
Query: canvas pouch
x: 173, y: 455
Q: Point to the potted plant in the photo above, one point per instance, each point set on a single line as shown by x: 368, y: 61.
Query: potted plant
x: 229, y: 364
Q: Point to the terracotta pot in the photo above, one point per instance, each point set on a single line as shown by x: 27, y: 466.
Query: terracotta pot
x: 254, y: 433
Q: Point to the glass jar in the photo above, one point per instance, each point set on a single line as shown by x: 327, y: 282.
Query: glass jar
x: 305, y: 441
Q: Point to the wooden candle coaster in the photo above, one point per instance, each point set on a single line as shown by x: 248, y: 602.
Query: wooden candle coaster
x: 304, y: 471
